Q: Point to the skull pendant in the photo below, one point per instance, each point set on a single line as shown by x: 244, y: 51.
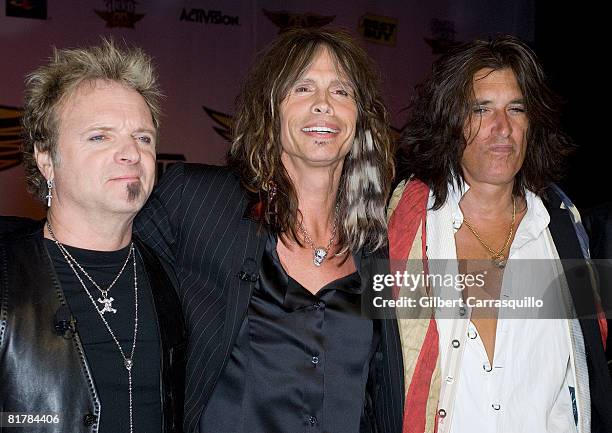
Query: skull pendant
x: 319, y: 256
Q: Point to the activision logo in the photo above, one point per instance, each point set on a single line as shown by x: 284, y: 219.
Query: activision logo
x: 208, y: 17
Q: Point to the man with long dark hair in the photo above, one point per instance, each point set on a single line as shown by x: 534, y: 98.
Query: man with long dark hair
x: 479, y: 158
x: 274, y: 253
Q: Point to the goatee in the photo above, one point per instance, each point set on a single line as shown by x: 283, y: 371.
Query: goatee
x: 134, y: 190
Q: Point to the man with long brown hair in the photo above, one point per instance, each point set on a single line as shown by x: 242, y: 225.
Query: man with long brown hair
x: 274, y: 253
x: 480, y: 155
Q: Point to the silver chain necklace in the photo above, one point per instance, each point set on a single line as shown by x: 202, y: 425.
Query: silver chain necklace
x: 320, y: 253
x: 105, y: 300
x: 127, y: 361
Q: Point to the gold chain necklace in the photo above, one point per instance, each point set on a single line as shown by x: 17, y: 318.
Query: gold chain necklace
x: 497, y: 257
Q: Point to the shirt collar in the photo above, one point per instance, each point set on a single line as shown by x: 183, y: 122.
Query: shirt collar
x: 287, y: 292
x: 534, y: 222
x: 456, y: 191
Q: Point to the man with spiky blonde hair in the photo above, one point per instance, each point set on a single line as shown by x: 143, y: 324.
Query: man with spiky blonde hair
x: 91, y: 332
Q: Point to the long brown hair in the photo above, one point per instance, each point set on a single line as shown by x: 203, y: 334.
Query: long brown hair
x: 433, y: 142
x: 256, y: 150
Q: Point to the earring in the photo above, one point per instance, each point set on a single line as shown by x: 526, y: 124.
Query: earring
x: 49, y: 195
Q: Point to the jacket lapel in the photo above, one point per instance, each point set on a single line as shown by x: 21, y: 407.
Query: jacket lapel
x: 576, y: 271
x: 386, y: 383
x: 172, y: 338
x: 248, y: 250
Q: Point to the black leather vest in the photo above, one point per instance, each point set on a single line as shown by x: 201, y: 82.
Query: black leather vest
x: 43, y: 369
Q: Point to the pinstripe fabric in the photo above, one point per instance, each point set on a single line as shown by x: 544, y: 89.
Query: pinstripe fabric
x: 387, y: 389
x: 195, y: 220
x: 389, y: 393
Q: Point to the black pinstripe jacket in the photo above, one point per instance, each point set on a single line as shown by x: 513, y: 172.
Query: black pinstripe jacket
x: 196, y: 219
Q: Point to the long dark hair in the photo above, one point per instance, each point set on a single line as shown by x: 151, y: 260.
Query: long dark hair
x: 256, y: 150
x: 433, y: 142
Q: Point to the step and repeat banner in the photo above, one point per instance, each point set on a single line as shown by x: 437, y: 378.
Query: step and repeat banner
x: 203, y: 48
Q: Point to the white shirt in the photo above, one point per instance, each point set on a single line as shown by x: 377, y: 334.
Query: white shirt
x: 527, y: 389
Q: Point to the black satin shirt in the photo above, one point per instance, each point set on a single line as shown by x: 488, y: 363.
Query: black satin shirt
x: 300, y: 362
